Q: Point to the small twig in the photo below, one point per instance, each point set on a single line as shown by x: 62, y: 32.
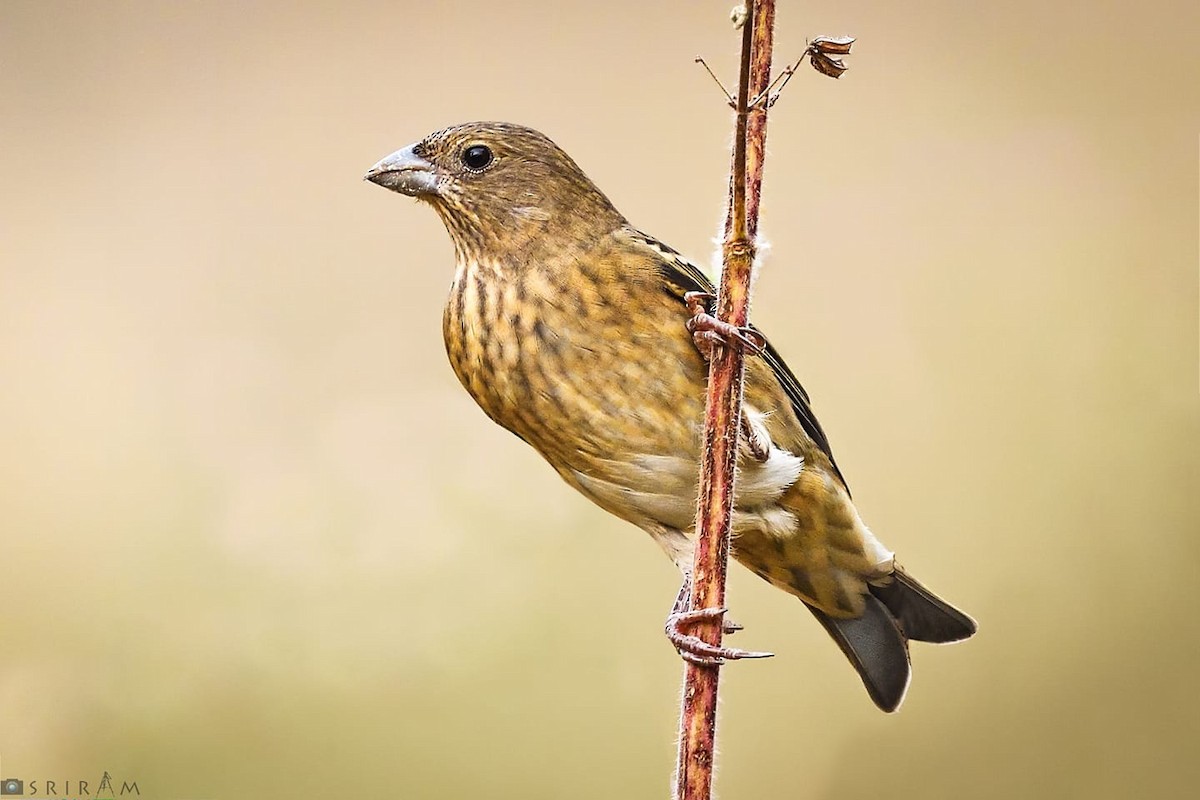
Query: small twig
x: 785, y: 76
x: 728, y: 97
x: 819, y: 52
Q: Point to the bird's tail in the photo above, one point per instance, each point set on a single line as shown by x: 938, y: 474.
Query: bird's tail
x: 877, y: 642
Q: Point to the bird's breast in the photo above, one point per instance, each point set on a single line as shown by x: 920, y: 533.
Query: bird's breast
x: 583, y: 368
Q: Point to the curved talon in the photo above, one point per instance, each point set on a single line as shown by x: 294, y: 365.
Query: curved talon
x: 752, y: 339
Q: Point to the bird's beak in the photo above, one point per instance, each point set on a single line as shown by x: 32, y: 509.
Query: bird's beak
x: 406, y: 172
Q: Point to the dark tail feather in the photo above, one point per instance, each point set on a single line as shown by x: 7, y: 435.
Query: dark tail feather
x: 877, y: 642
x: 922, y: 615
x: 877, y: 649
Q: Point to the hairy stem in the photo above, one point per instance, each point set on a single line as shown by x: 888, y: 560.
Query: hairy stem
x: 697, y: 734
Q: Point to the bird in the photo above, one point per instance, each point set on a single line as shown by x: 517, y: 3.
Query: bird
x: 570, y: 328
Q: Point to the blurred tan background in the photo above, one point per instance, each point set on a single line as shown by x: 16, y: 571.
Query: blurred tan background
x: 255, y: 540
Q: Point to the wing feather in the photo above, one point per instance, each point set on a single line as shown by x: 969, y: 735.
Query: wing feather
x: 681, y: 276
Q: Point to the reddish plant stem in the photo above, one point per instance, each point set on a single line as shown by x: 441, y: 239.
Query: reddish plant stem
x: 697, y: 734
x: 756, y: 122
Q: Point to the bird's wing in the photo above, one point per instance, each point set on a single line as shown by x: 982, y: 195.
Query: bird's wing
x: 681, y: 276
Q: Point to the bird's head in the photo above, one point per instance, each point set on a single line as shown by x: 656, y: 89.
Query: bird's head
x: 498, y: 187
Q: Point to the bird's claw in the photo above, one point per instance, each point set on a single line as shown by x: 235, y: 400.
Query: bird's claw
x: 691, y: 647
x: 709, y: 332
x: 696, y: 650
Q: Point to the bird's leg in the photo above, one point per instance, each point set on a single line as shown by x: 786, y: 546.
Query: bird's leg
x: 693, y: 648
x: 758, y: 444
x: 708, y: 331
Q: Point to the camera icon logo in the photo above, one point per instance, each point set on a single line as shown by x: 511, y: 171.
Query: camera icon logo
x: 12, y: 786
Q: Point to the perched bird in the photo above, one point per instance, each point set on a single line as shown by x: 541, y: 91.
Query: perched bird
x: 568, y: 326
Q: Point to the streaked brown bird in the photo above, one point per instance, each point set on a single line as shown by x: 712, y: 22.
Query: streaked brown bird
x: 568, y: 327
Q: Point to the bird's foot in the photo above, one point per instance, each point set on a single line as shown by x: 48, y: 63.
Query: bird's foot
x: 696, y: 650
x: 691, y: 647
x: 708, y: 332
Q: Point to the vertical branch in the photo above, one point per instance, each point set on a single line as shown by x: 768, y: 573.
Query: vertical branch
x: 697, y: 735
x: 756, y: 124
x: 755, y: 132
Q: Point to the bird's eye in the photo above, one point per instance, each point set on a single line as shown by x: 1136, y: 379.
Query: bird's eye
x: 477, y: 156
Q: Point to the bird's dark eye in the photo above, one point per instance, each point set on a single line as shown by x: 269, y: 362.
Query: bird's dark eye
x: 477, y: 156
